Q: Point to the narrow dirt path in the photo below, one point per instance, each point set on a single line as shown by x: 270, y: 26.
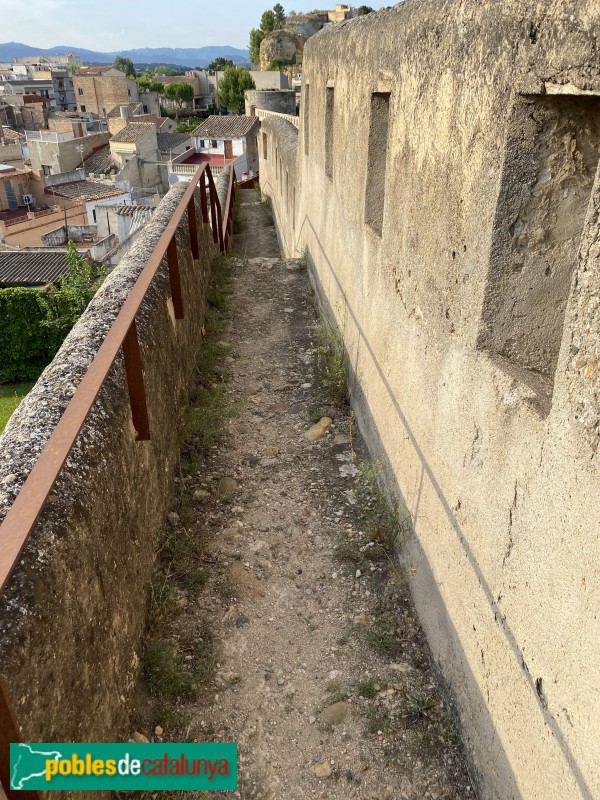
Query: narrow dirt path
x: 324, y: 677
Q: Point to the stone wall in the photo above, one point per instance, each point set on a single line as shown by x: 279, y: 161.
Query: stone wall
x: 101, y: 93
x: 284, y: 101
x: 445, y: 192
x: 73, y: 614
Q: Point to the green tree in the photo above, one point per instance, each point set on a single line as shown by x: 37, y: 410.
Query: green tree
x: 363, y: 10
x: 256, y: 37
x: 280, y: 64
x: 65, y: 303
x: 179, y: 93
x: 168, y: 71
x: 149, y: 82
x: 219, y: 64
x: 233, y: 84
x: 267, y: 22
x: 189, y: 125
x: 270, y: 21
x: 279, y: 15
x: 125, y: 65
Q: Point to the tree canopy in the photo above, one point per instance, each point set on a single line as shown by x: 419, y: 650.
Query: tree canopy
x: 219, y: 64
x: 270, y: 21
x: 168, y: 71
x: 149, y: 82
x: 362, y: 10
x: 125, y: 65
x: 179, y: 93
x: 232, y: 86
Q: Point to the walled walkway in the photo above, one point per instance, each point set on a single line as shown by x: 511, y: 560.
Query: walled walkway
x: 323, y: 675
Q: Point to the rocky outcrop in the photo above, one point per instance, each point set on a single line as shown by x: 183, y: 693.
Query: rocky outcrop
x: 281, y: 45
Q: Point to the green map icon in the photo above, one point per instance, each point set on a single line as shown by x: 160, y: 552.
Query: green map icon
x: 29, y: 762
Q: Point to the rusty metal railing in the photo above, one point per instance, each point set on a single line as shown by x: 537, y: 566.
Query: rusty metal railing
x: 28, y: 505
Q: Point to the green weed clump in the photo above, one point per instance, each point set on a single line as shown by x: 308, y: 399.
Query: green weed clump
x: 387, y: 521
x: 267, y: 208
x: 328, y: 365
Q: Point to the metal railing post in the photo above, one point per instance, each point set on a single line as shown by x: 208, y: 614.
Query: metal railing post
x: 175, y: 278
x: 203, y: 204
x: 135, y: 383
x: 10, y: 734
x: 193, y: 228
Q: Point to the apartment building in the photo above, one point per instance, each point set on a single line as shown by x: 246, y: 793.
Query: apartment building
x: 99, y: 89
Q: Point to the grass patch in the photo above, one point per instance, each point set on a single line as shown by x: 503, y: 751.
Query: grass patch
x: 239, y: 225
x: 180, y: 669
x: 10, y: 396
x: 328, y: 367
x: 349, y: 551
x: 383, y: 637
x: 179, y: 663
x: 266, y: 207
x: 367, y: 688
x: 182, y: 555
x: 375, y: 721
x: 211, y: 407
x: 387, y: 521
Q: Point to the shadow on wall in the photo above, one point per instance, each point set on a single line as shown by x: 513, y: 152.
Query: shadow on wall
x: 427, y: 473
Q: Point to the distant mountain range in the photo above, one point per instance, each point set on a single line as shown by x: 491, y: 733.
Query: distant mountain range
x: 184, y: 57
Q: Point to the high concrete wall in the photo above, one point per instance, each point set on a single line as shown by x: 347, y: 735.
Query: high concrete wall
x: 448, y: 202
x: 73, y: 614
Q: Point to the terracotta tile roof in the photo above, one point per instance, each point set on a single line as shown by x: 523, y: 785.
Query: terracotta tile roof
x: 166, y: 141
x: 9, y: 135
x: 86, y: 190
x: 133, y: 132
x: 31, y: 268
x: 129, y: 211
x: 93, y: 70
x: 99, y: 162
x: 231, y: 127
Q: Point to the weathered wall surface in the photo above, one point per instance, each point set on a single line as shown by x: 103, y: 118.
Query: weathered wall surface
x: 284, y: 101
x: 445, y: 200
x: 280, y: 45
x: 30, y: 232
x: 64, y: 156
x: 72, y: 617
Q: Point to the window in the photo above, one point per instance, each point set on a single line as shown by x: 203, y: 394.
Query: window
x: 264, y: 138
x: 214, y: 144
x: 329, y: 133
x: 145, y: 109
x: 377, y: 161
x: 551, y: 158
x: 80, y: 91
x: 94, y: 214
x: 83, y: 108
x: 305, y: 112
x: 47, y: 169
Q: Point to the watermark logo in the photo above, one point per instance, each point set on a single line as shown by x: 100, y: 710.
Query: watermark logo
x: 54, y: 767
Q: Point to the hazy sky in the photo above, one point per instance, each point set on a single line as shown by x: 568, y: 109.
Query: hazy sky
x: 109, y: 25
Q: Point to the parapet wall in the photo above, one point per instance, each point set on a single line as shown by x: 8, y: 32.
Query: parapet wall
x: 444, y: 190
x: 282, y: 101
x: 73, y: 614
